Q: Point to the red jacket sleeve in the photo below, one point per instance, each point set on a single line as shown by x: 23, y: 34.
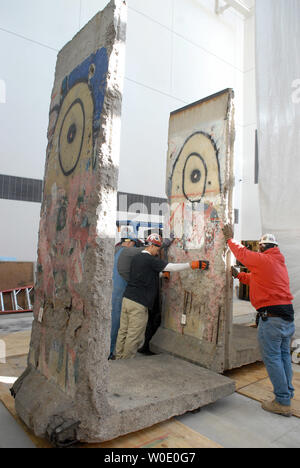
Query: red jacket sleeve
x: 244, y: 278
x: 248, y: 258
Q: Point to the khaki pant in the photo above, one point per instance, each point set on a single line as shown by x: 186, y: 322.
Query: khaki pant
x: 133, y: 324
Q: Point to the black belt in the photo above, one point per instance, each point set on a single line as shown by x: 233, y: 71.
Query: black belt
x: 265, y: 315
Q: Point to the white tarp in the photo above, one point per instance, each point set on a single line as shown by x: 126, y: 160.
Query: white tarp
x: 278, y: 96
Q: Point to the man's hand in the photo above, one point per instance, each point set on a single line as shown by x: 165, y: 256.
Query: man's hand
x: 166, y: 275
x: 234, y: 272
x: 200, y: 265
x: 228, y: 232
x: 167, y: 243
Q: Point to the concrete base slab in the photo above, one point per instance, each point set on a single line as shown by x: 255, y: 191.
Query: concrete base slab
x: 147, y: 390
x: 141, y: 392
x: 189, y: 348
x: 245, y: 347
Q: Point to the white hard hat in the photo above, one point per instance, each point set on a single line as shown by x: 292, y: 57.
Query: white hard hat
x: 268, y: 239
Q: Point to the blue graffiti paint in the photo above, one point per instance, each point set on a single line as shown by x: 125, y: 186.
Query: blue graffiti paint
x: 94, y: 72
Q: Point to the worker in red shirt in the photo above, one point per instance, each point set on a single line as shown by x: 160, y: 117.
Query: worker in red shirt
x: 270, y: 295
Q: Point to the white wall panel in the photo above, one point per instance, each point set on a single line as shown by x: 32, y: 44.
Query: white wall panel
x: 238, y: 173
x: 250, y: 213
x: 28, y: 71
x: 251, y: 224
x: 249, y: 54
x: 19, y: 237
x: 197, y: 73
x: 149, y: 47
x: 278, y: 68
x: 249, y: 154
x: 89, y: 8
x: 144, y: 140
x: 203, y: 27
x: 250, y: 116
x: 158, y: 10
x: 52, y: 23
x: 178, y: 51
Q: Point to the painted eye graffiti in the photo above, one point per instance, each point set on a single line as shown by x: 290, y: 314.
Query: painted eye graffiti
x: 71, y: 137
x: 196, y: 172
x: 73, y: 129
x: 71, y: 133
x: 194, y: 177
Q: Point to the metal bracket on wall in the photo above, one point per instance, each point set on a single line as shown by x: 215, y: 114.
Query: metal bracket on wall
x: 62, y: 433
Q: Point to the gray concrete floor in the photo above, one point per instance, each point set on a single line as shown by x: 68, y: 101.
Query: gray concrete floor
x: 11, y: 433
x: 233, y: 422
x: 238, y: 422
x: 13, y: 323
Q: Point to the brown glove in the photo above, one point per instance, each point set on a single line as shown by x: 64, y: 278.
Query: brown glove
x: 234, y: 272
x: 166, y: 275
x: 228, y: 232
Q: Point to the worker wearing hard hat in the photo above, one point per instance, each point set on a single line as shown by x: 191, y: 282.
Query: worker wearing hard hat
x: 131, y: 245
x: 128, y: 239
x: 141, y: 292
x: 270, y: 295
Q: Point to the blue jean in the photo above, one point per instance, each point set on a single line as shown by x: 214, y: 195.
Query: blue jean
x: 274, y: 336
x: 119, y: 286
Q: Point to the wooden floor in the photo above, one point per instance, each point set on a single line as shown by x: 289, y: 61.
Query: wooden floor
x: 251, y: 381
x: 17, y: 344
x: 169, y: 434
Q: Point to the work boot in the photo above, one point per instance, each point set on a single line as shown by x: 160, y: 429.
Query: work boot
x: 277, y: 408
x: 146, y: 351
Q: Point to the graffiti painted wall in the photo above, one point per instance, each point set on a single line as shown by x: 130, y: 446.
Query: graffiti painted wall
x: 71, y: 329
x: 68, y: 232
x: 199, y: 186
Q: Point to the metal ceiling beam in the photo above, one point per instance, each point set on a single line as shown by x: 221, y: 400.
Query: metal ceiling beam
x: 238, y: 5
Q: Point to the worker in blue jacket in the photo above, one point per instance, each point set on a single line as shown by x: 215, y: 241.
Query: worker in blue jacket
x: 119, y: 286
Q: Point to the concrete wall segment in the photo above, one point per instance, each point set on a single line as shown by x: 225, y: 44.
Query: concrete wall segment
x: 199, y: 188
x: 77, y: 227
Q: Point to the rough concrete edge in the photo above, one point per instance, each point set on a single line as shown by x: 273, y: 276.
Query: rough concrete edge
x: 27, y: 407
x: 228, y: 194
x: 151, y: 414
x: 107, y: 148
x: 248, y: 356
